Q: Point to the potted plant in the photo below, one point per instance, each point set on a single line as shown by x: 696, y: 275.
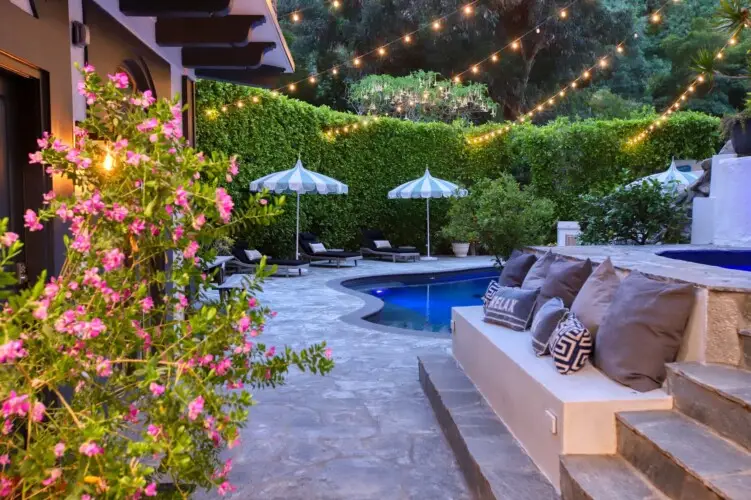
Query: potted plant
x: 736, y: 128
x: 461, y: 229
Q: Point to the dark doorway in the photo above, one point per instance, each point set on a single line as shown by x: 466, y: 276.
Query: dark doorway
x: 22, y: 185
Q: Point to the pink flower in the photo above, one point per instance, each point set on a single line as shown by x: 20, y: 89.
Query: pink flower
x: 16, y: 405
x: 190, y: 250
x: 135, y: 159
x: 154, y: 430
x: 144, y: 100
x: 4, y: 459
x: 90, y: 448
x: 113, y: 259
x: 252, y: 302
x: 270, y: 353
x: 117, y: 214
x: 224, y: 204
x: 104, y: 368
x: 147, y: 304
x: 88, y: 68
x: 40, y: 312
x: 328, y: 353
x: 120, y: 80
x: 54, y: 476
x: 195, y: 408
x: 48, y: 197
x: 43, y: 143
x: 181, y: 197
x: 64, y: 212
x: 233, y: 168
x: 225, y: 488
x: 199, y: 221
x: 35, y: 157
x: 8, y: 239
x: 59, y: 449
x: 156, y: 389
x: 37, y: 412
x: 149, y: 124
x: 182, y: 302
x: 243, y: 324
x: 31, y: 221
x: 6, y: 486
x: 178, y: 233
x: 153, y: 138
x: 120, y: 144
x: 132, y: 415
x: 58, y: 146
x: 137, y: 226
x: 82, y: 242
x: 150, y: 490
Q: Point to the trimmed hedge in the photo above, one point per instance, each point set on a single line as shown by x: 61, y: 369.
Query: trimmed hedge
x: 561, y: 160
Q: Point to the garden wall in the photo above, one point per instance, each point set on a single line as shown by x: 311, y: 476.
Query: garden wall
x: 560, y: 160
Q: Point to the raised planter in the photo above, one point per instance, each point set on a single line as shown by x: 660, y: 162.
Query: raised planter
x: 460, y: 249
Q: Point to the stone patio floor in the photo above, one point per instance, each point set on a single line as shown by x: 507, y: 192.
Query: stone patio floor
x: 365, y: 431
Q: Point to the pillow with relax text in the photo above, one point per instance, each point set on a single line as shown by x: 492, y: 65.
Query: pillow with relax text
x: 511, y: 307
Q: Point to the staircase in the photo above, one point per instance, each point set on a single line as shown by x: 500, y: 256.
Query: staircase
x: 699, y: 450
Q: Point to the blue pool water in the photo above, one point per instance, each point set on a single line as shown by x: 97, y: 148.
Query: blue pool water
x: 739, y: 260
x: 424, y: 302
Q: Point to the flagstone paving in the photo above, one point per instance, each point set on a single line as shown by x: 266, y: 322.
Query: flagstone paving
x: 365, y: 431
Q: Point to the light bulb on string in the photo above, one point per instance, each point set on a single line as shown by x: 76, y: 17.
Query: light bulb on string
x: 436, y: 25
x: 494, y: 58
x: 381, y: 51
x: 109, y: 162
x: 296, y: 17
x: 224, y: 109
x: 336, y: 4
x: 312, y: 80
x: 292, y: 87
x: 619, y: 49
x: 256, y: 99
x: 603, y: 63
x: 356, y: 61
x: 563, y: 13
x: 586, y: 75
x: 407, y: 38
x: 335, y: 71
x: 537, y: 30
x: 655, y: 18
x: 475, y: 69
x: 240, y: 104
x: 733, y: 41
x: 515, y: 45
x: 467, y: 9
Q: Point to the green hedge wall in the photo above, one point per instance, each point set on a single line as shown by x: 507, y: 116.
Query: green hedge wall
x: 560, y: 161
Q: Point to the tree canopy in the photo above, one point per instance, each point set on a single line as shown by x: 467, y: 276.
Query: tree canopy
x: 654, y: 68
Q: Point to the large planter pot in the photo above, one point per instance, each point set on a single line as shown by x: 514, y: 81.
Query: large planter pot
x: 741, y: 138
x: 460, y: 249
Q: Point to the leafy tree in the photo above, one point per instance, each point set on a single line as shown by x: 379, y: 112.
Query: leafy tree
x: 639, y: 214
x: 421, y: 96
x: 508, y: 216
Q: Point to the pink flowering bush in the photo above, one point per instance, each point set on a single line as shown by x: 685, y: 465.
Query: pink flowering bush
x: 114, y: 378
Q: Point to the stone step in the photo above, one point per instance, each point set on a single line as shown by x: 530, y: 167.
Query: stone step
x: 683, y: 458
x: 718, y: 396
x: 492, y: 461
x: 604, y: 477
x: 745, y: 338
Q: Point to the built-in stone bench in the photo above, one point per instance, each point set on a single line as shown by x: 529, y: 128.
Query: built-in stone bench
x: 548, y: 413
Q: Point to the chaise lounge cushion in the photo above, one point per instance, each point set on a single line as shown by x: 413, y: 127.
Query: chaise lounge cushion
x: 592, y: 302
x: 544, y: 324
x: 538, y: 272
x: 337, y: 255
x: 516, y: 269
x: 511, y: 307
x: 564, y: 280
x: 642, y: 330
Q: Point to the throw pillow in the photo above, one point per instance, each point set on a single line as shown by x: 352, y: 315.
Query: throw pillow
x: 642, y: 330
x: 511, y: 307
x: 317, y: 247
x: 492, y: 288
x: 564, y: 280
x: 544, y: 324
x: 592, y: 302
x: 382, y: 244
x: 253, y: 254
x: 538, y: 272
x: 516, y: 269
x: 571, y: 345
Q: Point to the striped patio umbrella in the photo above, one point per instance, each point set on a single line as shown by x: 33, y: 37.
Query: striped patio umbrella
x: 298, y: 180
x: 672, y: 178
x: 427, y: 187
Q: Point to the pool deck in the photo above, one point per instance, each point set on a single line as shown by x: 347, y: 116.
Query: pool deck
x: 366, y: 430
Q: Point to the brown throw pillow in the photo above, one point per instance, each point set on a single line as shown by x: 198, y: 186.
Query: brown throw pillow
x: 516, y: 269
x: 564, y: 280
x: 595, y: 297
x: 642, y: 330
x: 538, y: 272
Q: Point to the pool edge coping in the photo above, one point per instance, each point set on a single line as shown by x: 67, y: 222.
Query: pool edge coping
x: 374, y: 305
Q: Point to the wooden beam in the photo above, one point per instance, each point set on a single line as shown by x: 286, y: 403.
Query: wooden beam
x: 175, y: 8
x: 263, y: 76
x: 229, y: 31
x: 247, y: 57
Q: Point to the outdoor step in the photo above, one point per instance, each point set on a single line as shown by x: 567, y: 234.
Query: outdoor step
x: 493, y: 463
x: 718, y: 396
x: 604, y: 477
x: 745, y: 338
x: 683, y: 458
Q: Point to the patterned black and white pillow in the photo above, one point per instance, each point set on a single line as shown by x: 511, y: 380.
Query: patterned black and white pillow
x: 511, y: 307
x: 571, y: 345
x: 492, y: 288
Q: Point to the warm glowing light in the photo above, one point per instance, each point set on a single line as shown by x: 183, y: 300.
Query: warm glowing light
x: 109, y: 162
x: 574, y: 85
x: 457, y: 79
x: 296, y: 17
x: 475, y: 69
x: 515, y: 45
x: 619, y: 49
x: 407, y: 38
x: 563, y: 13
x: 494, y: 58
x: 720, y: 55
x: 240, y: 104
x: 381, y: 51
x: 436, y: 25
x: 335, y: 71
x: 700, y: 78
x: 336, y: 4
x: 562, y: 93
x: 467, y: 10
x: 356, y: 61
x: 691, y: 88
x: 551, y: 101
x: 537, y: 30
x: 733, y: 41
x: 398, y: 109
x: 603, y: 63
x: 586, y: 75
x: 292, y: 87
x: 655, y: 18
x: 256, y: 100
x: 224, y: 109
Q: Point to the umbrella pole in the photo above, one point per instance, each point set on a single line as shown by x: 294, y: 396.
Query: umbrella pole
x: 427, y: 203
x: 297, y: 231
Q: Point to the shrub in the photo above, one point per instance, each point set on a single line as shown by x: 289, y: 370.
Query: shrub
x: 560, y: 161
x: 509, y: 217
x: 462, y: 224
x: 639, y: 214
x: 111, y: 377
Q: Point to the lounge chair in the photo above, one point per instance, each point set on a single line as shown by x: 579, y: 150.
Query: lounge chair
x: 244, y: 262
x: 311, y: 251
x: 375, y: 244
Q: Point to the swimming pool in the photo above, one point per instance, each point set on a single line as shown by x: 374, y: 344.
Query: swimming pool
x: 739, y: 260
x: 423, y: 302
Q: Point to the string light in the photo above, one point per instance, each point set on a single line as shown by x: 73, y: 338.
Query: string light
x: 408, y: 38
x: 356, y: 61
x: 296, y: 17
x: 436, y: 25
x: 656, y: 18
x: 312, y: 80
x: 467, y: 10
x: 381, y: 51
x: 240, y: 104
x: 494, y: 58
x: 681, y: 99
x: 109, y: 162
x: 292, y: 87
x: 336, y: 4
x: 563, y: 14
x: 334, y: 71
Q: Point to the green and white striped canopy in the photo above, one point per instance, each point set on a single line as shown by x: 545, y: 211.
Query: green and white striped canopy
x: 427, y: 186
x: 298, y: 180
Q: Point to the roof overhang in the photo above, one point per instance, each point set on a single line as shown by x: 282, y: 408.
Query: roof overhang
x: 231, y: 40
